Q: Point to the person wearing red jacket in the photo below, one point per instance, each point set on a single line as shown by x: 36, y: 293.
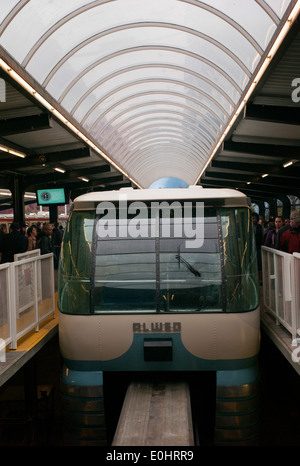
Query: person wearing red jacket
x: 289, y: 236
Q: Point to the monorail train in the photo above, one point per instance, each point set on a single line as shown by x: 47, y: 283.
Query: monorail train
x: 161, y: 280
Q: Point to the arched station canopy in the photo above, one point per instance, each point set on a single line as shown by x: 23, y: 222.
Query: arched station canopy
x: 154, y: 86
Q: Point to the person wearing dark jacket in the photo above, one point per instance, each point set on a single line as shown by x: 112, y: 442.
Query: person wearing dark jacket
x: 288, y: 238
x: 13, y: 243
x: 44, y: 242
x: 272, y: 233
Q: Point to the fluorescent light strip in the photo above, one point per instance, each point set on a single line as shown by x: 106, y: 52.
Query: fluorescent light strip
x: 83, y: 179
x: 287, y: 25
x: 13, y: 152
x: 56, y: 113
x: 61, y: 170
x: 287, y: 164
x: 26, y: 195
x: 265, y: 175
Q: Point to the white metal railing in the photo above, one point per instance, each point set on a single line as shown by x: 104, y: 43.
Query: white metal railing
x: 27, y: 295
x: 281, y: 287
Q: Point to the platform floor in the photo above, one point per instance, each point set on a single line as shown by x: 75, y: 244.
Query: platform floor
x: 281, y: 338
x: 28, y: 346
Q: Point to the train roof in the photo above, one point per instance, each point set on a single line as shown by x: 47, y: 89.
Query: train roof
x: 228, y: 196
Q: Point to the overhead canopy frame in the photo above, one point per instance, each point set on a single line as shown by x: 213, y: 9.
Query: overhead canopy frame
x: 154, y: 84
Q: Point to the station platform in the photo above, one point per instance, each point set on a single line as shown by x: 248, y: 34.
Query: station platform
x: 279, y: 336
x: 28, y: 347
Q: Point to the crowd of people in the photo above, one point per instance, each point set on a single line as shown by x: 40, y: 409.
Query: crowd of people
x: 20, y: 239
x: 277, y: 233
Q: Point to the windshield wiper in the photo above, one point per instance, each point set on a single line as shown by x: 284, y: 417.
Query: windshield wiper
x: 188, y: 265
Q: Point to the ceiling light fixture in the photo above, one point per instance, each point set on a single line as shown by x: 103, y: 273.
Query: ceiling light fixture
x: 61, y: 170
x: 13, y: 152
x: 264, y: 176
x: 83, y: 179
x: 26, y: 195
x: 287, y: 164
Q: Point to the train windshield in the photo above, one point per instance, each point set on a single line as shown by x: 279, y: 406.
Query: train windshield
x: 143, y: 261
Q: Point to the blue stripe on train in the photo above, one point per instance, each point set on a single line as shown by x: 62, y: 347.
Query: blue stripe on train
x: 182, y: 360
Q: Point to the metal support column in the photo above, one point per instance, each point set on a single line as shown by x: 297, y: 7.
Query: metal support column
x: 17, y: 190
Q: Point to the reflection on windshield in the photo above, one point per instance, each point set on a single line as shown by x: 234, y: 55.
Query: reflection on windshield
x: 160, y: 274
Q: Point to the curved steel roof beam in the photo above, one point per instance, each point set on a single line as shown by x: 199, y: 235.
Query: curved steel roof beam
x: 151, y: 94
x: 166, y: 104
x: 152, y: 171
x: 165, y: 150
x: 200, y: 137
x: 99, y: 83
x: 194, y: 156
x: 125, y: 157
x: 162, y: 135
x: 12, y: 14
x: 155, y: 121
x: 213, y: 99
x: 270, y: 12
x: 143, y: 24
x: 80, y: 10
x: 228, y: 20
x: 183, y: 119
x: 163, y: 167
x: 168, y: 158
x: 59, y: 24
x: 186, y: 53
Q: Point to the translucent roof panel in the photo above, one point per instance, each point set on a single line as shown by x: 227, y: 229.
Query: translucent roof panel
x: 154, y: 83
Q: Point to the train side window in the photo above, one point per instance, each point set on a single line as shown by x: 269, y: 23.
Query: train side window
x: 75, y: 264
x: 240, y: 266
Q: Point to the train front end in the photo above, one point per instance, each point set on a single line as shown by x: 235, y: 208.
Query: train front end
x: 161, y: 280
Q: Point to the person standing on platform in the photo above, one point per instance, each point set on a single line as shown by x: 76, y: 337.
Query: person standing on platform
x: 23, y: 228
x: 288, y: 238
x: 270, y: 240
x: 14, y: 243
x: 44, y: 242
x: 31, y: 234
